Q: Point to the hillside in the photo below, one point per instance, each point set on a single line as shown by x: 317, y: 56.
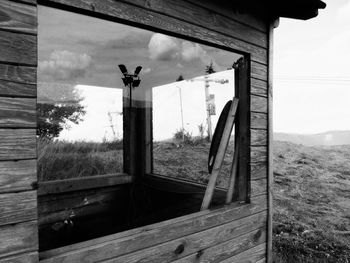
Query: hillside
x: 311, y: 203
x: 326, y: 139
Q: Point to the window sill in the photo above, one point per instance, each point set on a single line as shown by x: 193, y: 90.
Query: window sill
x: 83, y: 183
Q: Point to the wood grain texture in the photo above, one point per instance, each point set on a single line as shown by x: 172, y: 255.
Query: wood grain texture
x: 8, y: 88
x: 53, y: 208
x: 18, y: 48
x: 17, y: 176
x: 270, y: 143
x: 258, y: 154
x: 17, y: 112
x: 31, y: 257
x: 18, y: 17
x: 252, y: 255
x: 17, y: 207
x: 259, y: 71
x: 17, y: 144
x: 166, y: 252
x: 226, y: 250
x: 32, y: 2
x: 258, y: 171
x: 258, y: 87
x: 19, y: 74
x: 200, y: 16
x: 152, y: 235
x: 18, y: 238
x: 259, y: 187
x: 226, y: 9
x: 258, y: 120
x: 82, y: 183
x: 258, y: 104
x: 258, y: 137
x: 147, y: 19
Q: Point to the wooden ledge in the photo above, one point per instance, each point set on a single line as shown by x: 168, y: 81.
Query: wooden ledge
x: 83, y: 183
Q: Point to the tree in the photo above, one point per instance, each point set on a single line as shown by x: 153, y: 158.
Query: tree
x: 209, y: 69
x: 53, y: 118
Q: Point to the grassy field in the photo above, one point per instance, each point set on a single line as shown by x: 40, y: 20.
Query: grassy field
x: 311, y: 203
x: 311, y: 187
x: 311, y: 195
x: 59, y: 160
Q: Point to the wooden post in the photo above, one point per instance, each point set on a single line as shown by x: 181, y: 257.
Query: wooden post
x: 273, y: 25
x: 242, y: 128
x: 233, y: 175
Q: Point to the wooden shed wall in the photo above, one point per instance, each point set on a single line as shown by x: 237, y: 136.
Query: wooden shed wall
x: 18, y: 197
x: 226, y: 239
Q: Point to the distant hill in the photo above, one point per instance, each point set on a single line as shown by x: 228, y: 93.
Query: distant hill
x: 326, y: 139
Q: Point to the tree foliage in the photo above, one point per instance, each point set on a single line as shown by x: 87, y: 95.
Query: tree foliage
x: 53, y: 118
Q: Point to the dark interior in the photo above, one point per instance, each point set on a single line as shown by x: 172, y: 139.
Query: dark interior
x: 72, y: 217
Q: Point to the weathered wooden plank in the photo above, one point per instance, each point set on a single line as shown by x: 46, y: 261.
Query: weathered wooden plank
x: 17, y: 176
x: 53, y: 208
x: 259, y: 71
x: 231, y: 248
x: 18, y: 17
x: 270, y: 142
x: 33, y: 2
x: 18, y: 48
x: 17, y: 112
x: 226, y: 9
x: 258, y: 187
x: 83, y: 183
x: 17, y: 207
x: 258, y: 171
x: 8, y: 88
x: 258, y: 104
x: 17, y: 144
x: 252, y: 255
x: 18, y: 238
x: 198, y: 15
x: 258, y: 137
x: 31, y: 257
x: 258, y: 154
x: 119, y: 244
x: 242, y: 127
x: 258, y: 120
x: 258, y: 87
x: 20, y: 74
x: 124, y: 12
x: 166, y: 252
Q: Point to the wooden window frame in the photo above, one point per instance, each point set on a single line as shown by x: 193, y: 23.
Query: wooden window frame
x: 137, y: 165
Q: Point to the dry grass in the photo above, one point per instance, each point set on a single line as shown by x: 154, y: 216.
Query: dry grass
x: 311, y: 203
x: 311, y: 190
x: 62, y: 160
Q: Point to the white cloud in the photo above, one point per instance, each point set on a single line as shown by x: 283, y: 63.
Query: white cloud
x: 65, y: 65
x: 146, y: 71
x: 191, y: 51
x: 162, y: 47
x: 343, y: 14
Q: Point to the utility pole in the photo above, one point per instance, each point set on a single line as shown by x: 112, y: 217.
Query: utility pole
x: 180, y: 78
x: 208, y: 70
x: 206, y: 88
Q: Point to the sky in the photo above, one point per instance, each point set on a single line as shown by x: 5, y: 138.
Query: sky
x: 78, y: 62
x: 312, y: 72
